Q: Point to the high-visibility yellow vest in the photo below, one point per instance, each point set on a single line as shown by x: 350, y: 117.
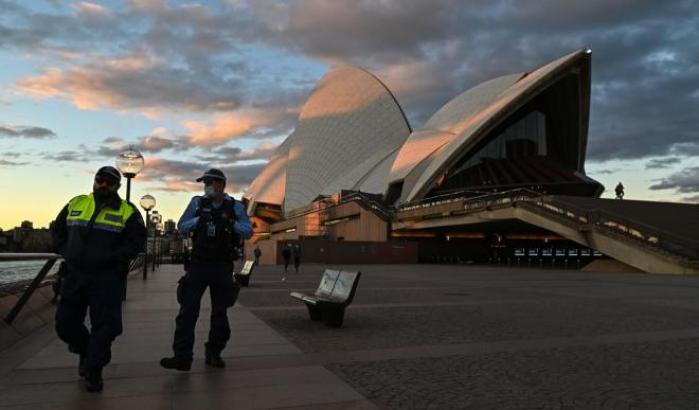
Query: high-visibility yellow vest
x: 82, y: 208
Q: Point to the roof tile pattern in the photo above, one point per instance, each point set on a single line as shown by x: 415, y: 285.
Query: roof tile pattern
x: 349, y: 118
x: 468, y: 127
x: 352, y: 134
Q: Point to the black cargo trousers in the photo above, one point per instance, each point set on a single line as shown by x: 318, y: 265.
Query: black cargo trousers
x: 100, y: 291
x: 217, y: 275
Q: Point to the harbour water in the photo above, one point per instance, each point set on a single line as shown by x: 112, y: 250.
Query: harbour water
x: 16, y: 271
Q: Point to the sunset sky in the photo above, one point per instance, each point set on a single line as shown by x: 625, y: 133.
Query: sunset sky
x: 220, y: 83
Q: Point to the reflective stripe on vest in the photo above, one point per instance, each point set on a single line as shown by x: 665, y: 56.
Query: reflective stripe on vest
x: 81, y: 208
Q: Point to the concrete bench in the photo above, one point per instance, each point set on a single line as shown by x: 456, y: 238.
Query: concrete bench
x: 334, y: 294
x: 243, y: 277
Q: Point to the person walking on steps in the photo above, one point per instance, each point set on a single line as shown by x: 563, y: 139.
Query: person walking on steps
x: 97, y: 235
x: 218, y: 223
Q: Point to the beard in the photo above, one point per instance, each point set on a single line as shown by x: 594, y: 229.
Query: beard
x: 102, y: 193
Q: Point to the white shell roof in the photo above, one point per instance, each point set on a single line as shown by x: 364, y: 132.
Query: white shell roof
x: 268, y: 186
x: 479, y: 113
x: 443, y: 127
x: 352, y: 134
x: 349, y: 124
x: 416, y: 149
x: 470, y: 102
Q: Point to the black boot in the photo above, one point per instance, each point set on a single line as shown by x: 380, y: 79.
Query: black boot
x: 82, y: 366
x: 176, y: 363
x: 213, y: 359
x: 93, y: 380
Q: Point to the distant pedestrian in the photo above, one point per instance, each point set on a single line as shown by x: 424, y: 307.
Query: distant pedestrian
x: 257, y: 252
x: 286, y: 255
x: 619, y: 191
x: 297, y: 257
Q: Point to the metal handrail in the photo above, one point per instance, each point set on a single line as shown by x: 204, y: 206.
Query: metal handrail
x: 9, y: 257
x: 450, y: 197
x: 616, y: 224
x: 51, y: 259
x: 488, y: 198
x: 371, y: 203
x: 599, y: 219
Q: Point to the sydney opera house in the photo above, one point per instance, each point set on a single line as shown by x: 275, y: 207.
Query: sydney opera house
x: 497, y: 174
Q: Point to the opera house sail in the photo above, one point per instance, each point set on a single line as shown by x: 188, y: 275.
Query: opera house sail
x: 523, y: 130
x: 355, y: 172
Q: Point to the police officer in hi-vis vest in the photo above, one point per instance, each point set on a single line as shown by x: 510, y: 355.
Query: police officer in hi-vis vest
x: 97, y: 235
x: 218, y: 224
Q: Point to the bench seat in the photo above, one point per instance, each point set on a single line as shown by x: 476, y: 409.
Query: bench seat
x: 335, y: 292
x: 243, y: 277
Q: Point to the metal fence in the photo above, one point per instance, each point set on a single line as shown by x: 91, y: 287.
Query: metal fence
x: 27, y: 287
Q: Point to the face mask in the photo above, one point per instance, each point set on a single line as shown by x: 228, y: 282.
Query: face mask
x: 209, y: 191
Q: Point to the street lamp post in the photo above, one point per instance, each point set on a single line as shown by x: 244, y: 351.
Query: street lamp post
x: 157, y: 218
x: 147, y: 202
x: 130, y: 163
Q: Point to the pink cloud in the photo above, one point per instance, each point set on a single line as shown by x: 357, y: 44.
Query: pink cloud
x: 139, y: 82
x: 88, y: 9
x: 88, y: 87
x: 180, y: 186
x: 231, y: 125
x: 409, y: 78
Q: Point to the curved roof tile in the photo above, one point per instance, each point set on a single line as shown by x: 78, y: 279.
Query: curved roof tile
x: 469, y: 128
x: 347, y: 118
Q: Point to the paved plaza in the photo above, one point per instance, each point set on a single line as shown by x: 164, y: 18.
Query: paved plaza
x: 417, y: 336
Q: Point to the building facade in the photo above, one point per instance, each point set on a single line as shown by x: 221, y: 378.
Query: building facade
x: 354, y: 160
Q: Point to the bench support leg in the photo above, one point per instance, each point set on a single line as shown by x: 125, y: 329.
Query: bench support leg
x: 313, y: 312
x: 333, y: 316
x: 243, y: 280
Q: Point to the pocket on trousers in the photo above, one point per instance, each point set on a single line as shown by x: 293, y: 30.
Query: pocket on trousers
x: 232, y: 291
x: 180, y: 289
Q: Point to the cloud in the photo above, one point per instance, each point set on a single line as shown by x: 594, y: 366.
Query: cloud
x: 685, y: 149
x: 603, y: 172
x: 25, y: 132
x: 662, y: 163
x: 138, y: 81
x: 249, y: 123
x: 154, y: 56
x: 155, y: 144
x: 172, y: 175
x: 113, y: 146
x: 6, y: 163
x: 231, y: 155
x: 685, y: 181
x: 90, y: 10
x: 66, y: 156
x: 645, y: 68
x: 179, y: 186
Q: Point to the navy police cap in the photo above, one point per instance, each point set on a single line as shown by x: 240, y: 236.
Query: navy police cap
x: 213, y: 173
x: 109, y: 171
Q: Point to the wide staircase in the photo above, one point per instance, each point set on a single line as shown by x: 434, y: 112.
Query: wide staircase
x: 658, y: 237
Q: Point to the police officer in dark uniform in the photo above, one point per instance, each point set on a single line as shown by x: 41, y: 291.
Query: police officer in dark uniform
x: 97, y: 235
x: 218, y: 224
